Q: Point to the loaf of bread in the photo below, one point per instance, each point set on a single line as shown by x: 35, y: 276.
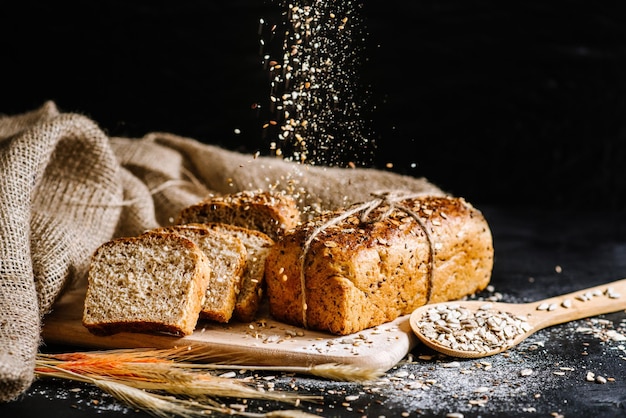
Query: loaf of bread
x: 227, y: 257
x: 270, y: 213
x: 151, y: 283
x: 349, y: 270
x: 258, y: 246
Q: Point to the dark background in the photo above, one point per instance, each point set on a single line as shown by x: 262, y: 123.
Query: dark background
x: 512, y: 103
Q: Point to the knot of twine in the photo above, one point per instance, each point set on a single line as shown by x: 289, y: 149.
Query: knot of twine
x: 391, y: 199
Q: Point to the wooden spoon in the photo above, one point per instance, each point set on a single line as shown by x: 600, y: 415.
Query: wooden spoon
x: 475, y: 329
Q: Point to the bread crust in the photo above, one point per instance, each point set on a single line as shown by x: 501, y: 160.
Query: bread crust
x: 252, y: 290
x: 271, y: 213
x: 229, y: 263
x: 361, y: 274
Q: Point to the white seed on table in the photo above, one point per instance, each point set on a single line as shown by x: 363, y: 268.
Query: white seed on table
x: 452, y: 365
x: 590, y: 377
x: 600, y: 379
x: 526, y: 372
x: 567, y: 303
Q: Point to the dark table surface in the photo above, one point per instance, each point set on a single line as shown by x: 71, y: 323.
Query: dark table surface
x: 538, y: 253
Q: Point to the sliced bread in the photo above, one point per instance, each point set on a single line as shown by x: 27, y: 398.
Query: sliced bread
x: 151, y: 283
x: 272, y: 213
x: 227, y: 256
x: 258, y: 246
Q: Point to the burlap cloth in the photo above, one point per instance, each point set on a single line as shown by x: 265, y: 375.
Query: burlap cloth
x: 66, y: 187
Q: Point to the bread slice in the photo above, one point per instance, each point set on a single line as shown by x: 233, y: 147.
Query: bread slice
x: 258, y: 246
x: 357, y: 274
x: 272, y: 213
x: 151, y: 283
x: 227, y: 256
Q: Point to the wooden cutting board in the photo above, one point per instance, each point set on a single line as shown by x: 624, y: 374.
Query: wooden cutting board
x: 263, y: 342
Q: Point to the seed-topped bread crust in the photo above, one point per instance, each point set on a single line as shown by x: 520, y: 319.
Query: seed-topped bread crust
x: 272, y: 213
x: 361, y: 273
x: 258, y: 246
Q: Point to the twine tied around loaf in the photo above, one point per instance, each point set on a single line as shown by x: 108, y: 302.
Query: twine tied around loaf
x: 390, y: 198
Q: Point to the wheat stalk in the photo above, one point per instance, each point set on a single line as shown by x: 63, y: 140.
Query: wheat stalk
x: 164, y: 406
x: 171, y: 382
x: 161, y: 406
x: 334, y: 371
x: 149, y: 371
x: 193, y: 357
